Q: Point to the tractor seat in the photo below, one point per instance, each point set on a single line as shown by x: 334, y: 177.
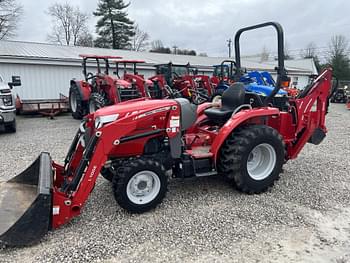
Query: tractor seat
x: 188, y: 113
x: 232, y: 98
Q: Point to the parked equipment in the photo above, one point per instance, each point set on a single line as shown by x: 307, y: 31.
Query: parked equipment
x: 133, y: 144
x: 224, y: 73
x: 8, y: 104
x: 99, y: 89
x: 260, y: 83
x: 339, y: 96
x: 184, y: 80
x: 45, y: 107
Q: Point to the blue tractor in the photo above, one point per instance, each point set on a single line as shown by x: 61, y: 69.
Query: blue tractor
x: 260, y: 83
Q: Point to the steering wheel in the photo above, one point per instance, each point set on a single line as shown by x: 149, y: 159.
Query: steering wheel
x: 199, y: 98
x: 176, y: 75
x: 90, y: 76
x: 172, y: 94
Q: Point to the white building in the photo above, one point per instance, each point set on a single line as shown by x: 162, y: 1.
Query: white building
x: 47, y: 69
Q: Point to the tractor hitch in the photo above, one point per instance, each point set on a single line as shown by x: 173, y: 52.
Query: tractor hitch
x: 26, y: 204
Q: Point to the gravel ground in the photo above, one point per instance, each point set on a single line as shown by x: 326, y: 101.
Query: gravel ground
x: 304, y: 218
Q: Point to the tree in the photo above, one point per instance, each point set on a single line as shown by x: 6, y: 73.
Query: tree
x: 114, y: 28
x: 85, y: 40
x: 139, y: 41
x: 69, y: 24
x: 158, y: 47
x: 265, y: 54
x: 310, y: 52
x: 338, y: 48
x: 186, y: 52
x: 10, y: 13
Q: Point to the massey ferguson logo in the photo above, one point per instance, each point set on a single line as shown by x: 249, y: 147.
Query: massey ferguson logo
x: 151, y: 112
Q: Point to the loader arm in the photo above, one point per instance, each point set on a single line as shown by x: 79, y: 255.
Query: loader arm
x: 70, y: 198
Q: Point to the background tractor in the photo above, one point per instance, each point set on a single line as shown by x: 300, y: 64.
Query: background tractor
x: 184, y: 81
x: 99, y: 89
x: 339, y: 96
x: 138, y: 81
x: 258, y: 82
x: 137, y: 144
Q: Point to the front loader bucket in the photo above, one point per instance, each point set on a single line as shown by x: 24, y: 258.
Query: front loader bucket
x: 26, y: 204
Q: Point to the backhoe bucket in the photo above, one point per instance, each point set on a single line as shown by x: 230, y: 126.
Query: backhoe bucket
x: 26, y: 204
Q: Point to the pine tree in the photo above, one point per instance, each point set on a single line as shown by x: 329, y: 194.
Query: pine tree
x: 114, y: 27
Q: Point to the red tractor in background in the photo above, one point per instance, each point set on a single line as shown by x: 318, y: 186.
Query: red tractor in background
x: 137, y: 144
x: 184, y: 81
x: 224, y: 73
x: 134, y: 78
x: 99, y: 89
x: 154, y: 87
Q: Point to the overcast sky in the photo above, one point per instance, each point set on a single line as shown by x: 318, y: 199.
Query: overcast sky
x: 205, y: 25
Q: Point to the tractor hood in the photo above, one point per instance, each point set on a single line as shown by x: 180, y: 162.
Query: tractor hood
x: 264, y: 90
x: 133, y: 107
x: 123, y: 83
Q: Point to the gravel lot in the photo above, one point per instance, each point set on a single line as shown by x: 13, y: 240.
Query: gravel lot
x: 304, y: 218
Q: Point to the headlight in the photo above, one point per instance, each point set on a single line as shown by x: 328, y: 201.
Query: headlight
x: 7, y: 100
x: 101, y: 120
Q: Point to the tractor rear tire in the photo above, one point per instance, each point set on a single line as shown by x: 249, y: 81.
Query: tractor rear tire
x: 76, y: 103
x: 252, y: 157
x: 96, y: 102
x: 11, y: 127
x: 140, y: 186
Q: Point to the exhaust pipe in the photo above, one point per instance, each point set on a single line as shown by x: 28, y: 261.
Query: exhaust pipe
x: 26, y: 204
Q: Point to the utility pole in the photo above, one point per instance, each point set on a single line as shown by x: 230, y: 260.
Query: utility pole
x: 175, y: 49
x: 229, y: 44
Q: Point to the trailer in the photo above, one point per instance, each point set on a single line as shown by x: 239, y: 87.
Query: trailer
x: 45, y: 107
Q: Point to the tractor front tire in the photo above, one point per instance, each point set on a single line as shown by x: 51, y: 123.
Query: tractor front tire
x: 76, y: 103
x: 11, y: 126
x: 96, y: 102
x: 253, y: 157
x: 140, y: 186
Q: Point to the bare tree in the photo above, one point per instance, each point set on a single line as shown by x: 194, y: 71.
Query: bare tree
x: 139, y: 41
x: 157, y: 44
x: 68, y: 24
x: 265, y: 54
x: 85, y: 40
x: 338, y: 46
x: 309, y: 51
x: 10, y: 13
x: 158, y: 47
x: 338, y: 56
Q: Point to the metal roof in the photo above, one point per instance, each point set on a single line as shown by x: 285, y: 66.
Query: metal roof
x: 43, y: 51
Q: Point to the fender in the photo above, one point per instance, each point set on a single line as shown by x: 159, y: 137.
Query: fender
x: 83, y: 88
x: 235, y: 121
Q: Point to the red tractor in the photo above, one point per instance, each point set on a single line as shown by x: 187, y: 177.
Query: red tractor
x: 184, y: 81
x: 137, y: 144
x: 99, y: 89
x: 134, y: 78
